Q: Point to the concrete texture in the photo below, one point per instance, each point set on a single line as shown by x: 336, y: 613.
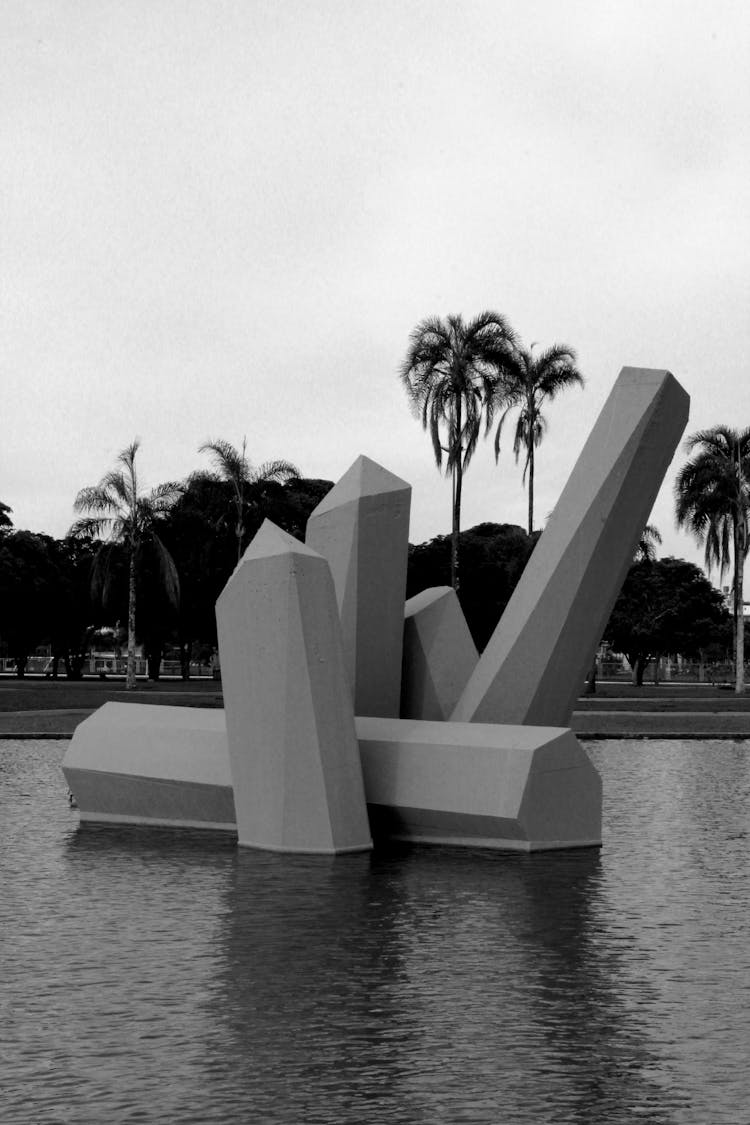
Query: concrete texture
x: 479, y: 785
x: 533, y: 667
x: 469, y: 784
x: 166, y: 766
x: 439, y: 654
x: 362, y: 528
x: 290, y: 724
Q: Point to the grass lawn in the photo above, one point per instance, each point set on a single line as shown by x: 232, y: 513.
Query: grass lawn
x: 37, y: 706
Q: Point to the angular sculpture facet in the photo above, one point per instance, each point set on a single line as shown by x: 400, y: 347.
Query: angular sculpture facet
x: 362, y: 528
x: 535, y: 662
x: 439, y: 654
x: 479, y: 785
x: 293, y: 754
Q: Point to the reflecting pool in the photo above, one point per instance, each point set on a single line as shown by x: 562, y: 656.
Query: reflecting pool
x: 161, y: 977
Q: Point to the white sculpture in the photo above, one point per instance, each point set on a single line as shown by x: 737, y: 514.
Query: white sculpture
x: 535, y: 662
x: 300, y: 765
x: 362, y: 528
x: 439, y: 654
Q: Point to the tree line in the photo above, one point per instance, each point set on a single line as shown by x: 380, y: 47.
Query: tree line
x: 170, y: 551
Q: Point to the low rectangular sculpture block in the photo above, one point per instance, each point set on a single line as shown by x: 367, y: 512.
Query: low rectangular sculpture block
x: 479, y: 785
x: 472, y: 784
x: 133, y: 763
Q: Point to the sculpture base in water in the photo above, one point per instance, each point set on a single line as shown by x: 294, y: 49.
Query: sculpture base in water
x: 463, y: 784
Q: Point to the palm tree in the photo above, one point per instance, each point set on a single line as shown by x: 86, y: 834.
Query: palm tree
x: 115, y: 506
x: 450, y: 373
x: 234, y: 468
x: 712, y: 497
x: 528, y: 382
x: 650, y: 539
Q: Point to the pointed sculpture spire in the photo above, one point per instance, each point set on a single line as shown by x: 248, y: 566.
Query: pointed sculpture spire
x: 362, y: 528
x: 535, y: 663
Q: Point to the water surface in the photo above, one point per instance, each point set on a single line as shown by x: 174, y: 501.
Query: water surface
x: 165, y: 977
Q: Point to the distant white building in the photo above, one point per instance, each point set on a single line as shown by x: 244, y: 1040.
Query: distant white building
x: 728, y: 594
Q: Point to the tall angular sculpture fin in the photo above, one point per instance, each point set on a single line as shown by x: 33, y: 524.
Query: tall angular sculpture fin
x: 293, y: 753
x: 439, y: 654
x: 362, y: 528
x: 536, y: 660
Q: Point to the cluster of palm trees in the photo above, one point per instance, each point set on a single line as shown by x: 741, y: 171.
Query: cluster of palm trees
x: 117, y: 508
x: 462, y: 375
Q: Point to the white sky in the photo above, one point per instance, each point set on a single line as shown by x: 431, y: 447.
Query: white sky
x: 225, y: 218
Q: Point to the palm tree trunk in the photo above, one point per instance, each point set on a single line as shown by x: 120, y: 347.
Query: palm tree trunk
x: 531, y: 487
x: 130, y: 674
x: 458, y: 481
x: 739, y: 568
x: 455, y: 453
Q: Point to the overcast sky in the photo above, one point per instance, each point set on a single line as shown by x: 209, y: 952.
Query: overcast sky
x: 225, y: 218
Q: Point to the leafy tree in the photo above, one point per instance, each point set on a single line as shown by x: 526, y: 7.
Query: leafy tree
x: 27, y: 576
x: 527, y: 382
x: 666, y: 606
x: 246, y: 482
x: 72, y: 616
x: 450, y: 374
x: 492, y: 560
x: 115, y: 506
x: 203, y: 544
x: 5, y: 521
x: 712, y: 496
x: 644, y: 552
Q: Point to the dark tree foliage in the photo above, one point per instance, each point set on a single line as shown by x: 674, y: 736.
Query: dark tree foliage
x: 27, y: 577
x: 667, y: 606
x: 44, y: 598
x: 5, y: 521
x: 492, y: 560
x: 73, y: 616
x: 203, y: 543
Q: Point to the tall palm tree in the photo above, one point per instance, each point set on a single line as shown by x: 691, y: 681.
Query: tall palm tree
x: 233, y: 467
x: 528, y: 382
x: 450, y: 373
x: 114, y: 506
x: 712, y: 497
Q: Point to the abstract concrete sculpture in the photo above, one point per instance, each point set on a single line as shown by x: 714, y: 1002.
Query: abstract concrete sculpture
x: 362, y: 528
x: 292, y: 767
x: 439, y: 654
x: 293, y: 753
x: 534, y: 664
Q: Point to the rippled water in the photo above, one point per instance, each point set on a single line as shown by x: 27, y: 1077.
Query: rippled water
x: 157, y: 977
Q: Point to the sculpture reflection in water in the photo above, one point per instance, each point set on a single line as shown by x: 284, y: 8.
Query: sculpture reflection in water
x: 315, y: 756
x: 365, y: 989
